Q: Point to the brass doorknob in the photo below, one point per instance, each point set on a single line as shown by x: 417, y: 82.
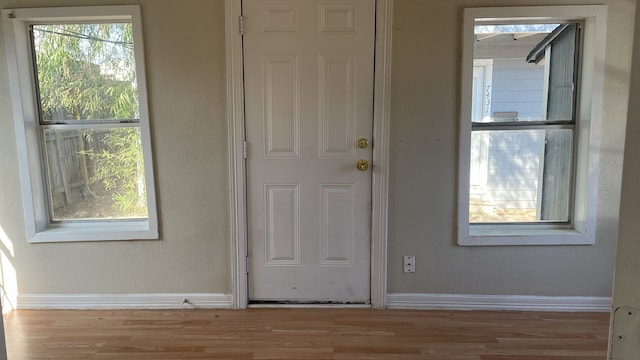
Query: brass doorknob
x: 363, y: 143
x: 362, y: 165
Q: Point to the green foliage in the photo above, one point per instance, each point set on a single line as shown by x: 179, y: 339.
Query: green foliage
x: 87, y: 72
x: 119, y: 167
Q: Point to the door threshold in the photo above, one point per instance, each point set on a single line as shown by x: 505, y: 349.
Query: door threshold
x: 305, y: 304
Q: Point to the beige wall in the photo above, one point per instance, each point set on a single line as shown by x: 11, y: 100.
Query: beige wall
x: 422, y: 212
x: 184, y: 43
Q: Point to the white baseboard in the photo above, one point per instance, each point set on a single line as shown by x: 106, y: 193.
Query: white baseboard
x: 123, y: 301
x: 394, y: 301
x: 498, y: 302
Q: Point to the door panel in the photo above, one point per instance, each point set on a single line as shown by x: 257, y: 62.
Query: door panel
x: 308, y: 98
x: 338, y: 237
x: 282, y: 224
x: 281, y: 110
x: 336, y: 106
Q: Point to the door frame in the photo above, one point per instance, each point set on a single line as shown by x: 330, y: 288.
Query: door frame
x: 236, y: 149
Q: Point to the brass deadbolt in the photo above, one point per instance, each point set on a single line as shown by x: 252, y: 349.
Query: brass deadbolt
x: 363, y: 143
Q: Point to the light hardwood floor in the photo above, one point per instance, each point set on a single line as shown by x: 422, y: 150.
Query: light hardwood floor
x: 327, y: 333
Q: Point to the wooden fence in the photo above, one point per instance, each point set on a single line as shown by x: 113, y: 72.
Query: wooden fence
x: 69, y: 164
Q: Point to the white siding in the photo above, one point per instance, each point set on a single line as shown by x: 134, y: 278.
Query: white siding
x: 514, y: 167
x: 514, y: 157
x: 518, y: 86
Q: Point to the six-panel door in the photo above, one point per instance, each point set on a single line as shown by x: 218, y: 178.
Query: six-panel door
x: 309, y: 98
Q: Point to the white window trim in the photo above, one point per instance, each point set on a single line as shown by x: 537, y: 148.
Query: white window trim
x: 38, y: 226
x: 582, y: 229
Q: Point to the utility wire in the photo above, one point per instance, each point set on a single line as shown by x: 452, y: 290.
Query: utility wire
x: 77, y: 35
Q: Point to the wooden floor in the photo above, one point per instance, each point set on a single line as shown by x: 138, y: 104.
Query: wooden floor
x: 305, y: 334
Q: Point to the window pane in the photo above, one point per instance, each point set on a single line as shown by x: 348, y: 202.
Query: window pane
x: 524, y: 72
x: 85, y: 71
x: 95, y: 173
x: 520, y: 176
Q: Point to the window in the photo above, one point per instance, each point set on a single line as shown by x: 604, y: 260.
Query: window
x: 80, y: 109
x: 530, y: 124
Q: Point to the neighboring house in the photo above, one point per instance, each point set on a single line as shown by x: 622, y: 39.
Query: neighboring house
x: 508, y: 166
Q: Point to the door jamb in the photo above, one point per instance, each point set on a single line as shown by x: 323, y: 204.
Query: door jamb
x: 237, y: 170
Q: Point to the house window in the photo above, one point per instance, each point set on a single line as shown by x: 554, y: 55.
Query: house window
x: 81, y: 116
x: 531, y: 99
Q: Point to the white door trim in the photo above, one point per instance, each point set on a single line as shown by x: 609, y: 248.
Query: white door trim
x: 380, y: 177
x: 237, y: 173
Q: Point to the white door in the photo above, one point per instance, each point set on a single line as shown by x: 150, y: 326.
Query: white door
x: 308, y: 99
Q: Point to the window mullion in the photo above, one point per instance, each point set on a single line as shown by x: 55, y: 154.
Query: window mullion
x: 520, y: 126
x: 85, y: 125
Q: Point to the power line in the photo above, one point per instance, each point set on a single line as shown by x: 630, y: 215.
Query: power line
x: 77, y: 35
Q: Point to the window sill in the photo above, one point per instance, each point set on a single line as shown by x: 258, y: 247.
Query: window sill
x: 512, y: 237
x: 132, y: 230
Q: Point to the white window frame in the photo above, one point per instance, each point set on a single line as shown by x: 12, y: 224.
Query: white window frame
x: 39, y: 228
x: 582, y: 226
